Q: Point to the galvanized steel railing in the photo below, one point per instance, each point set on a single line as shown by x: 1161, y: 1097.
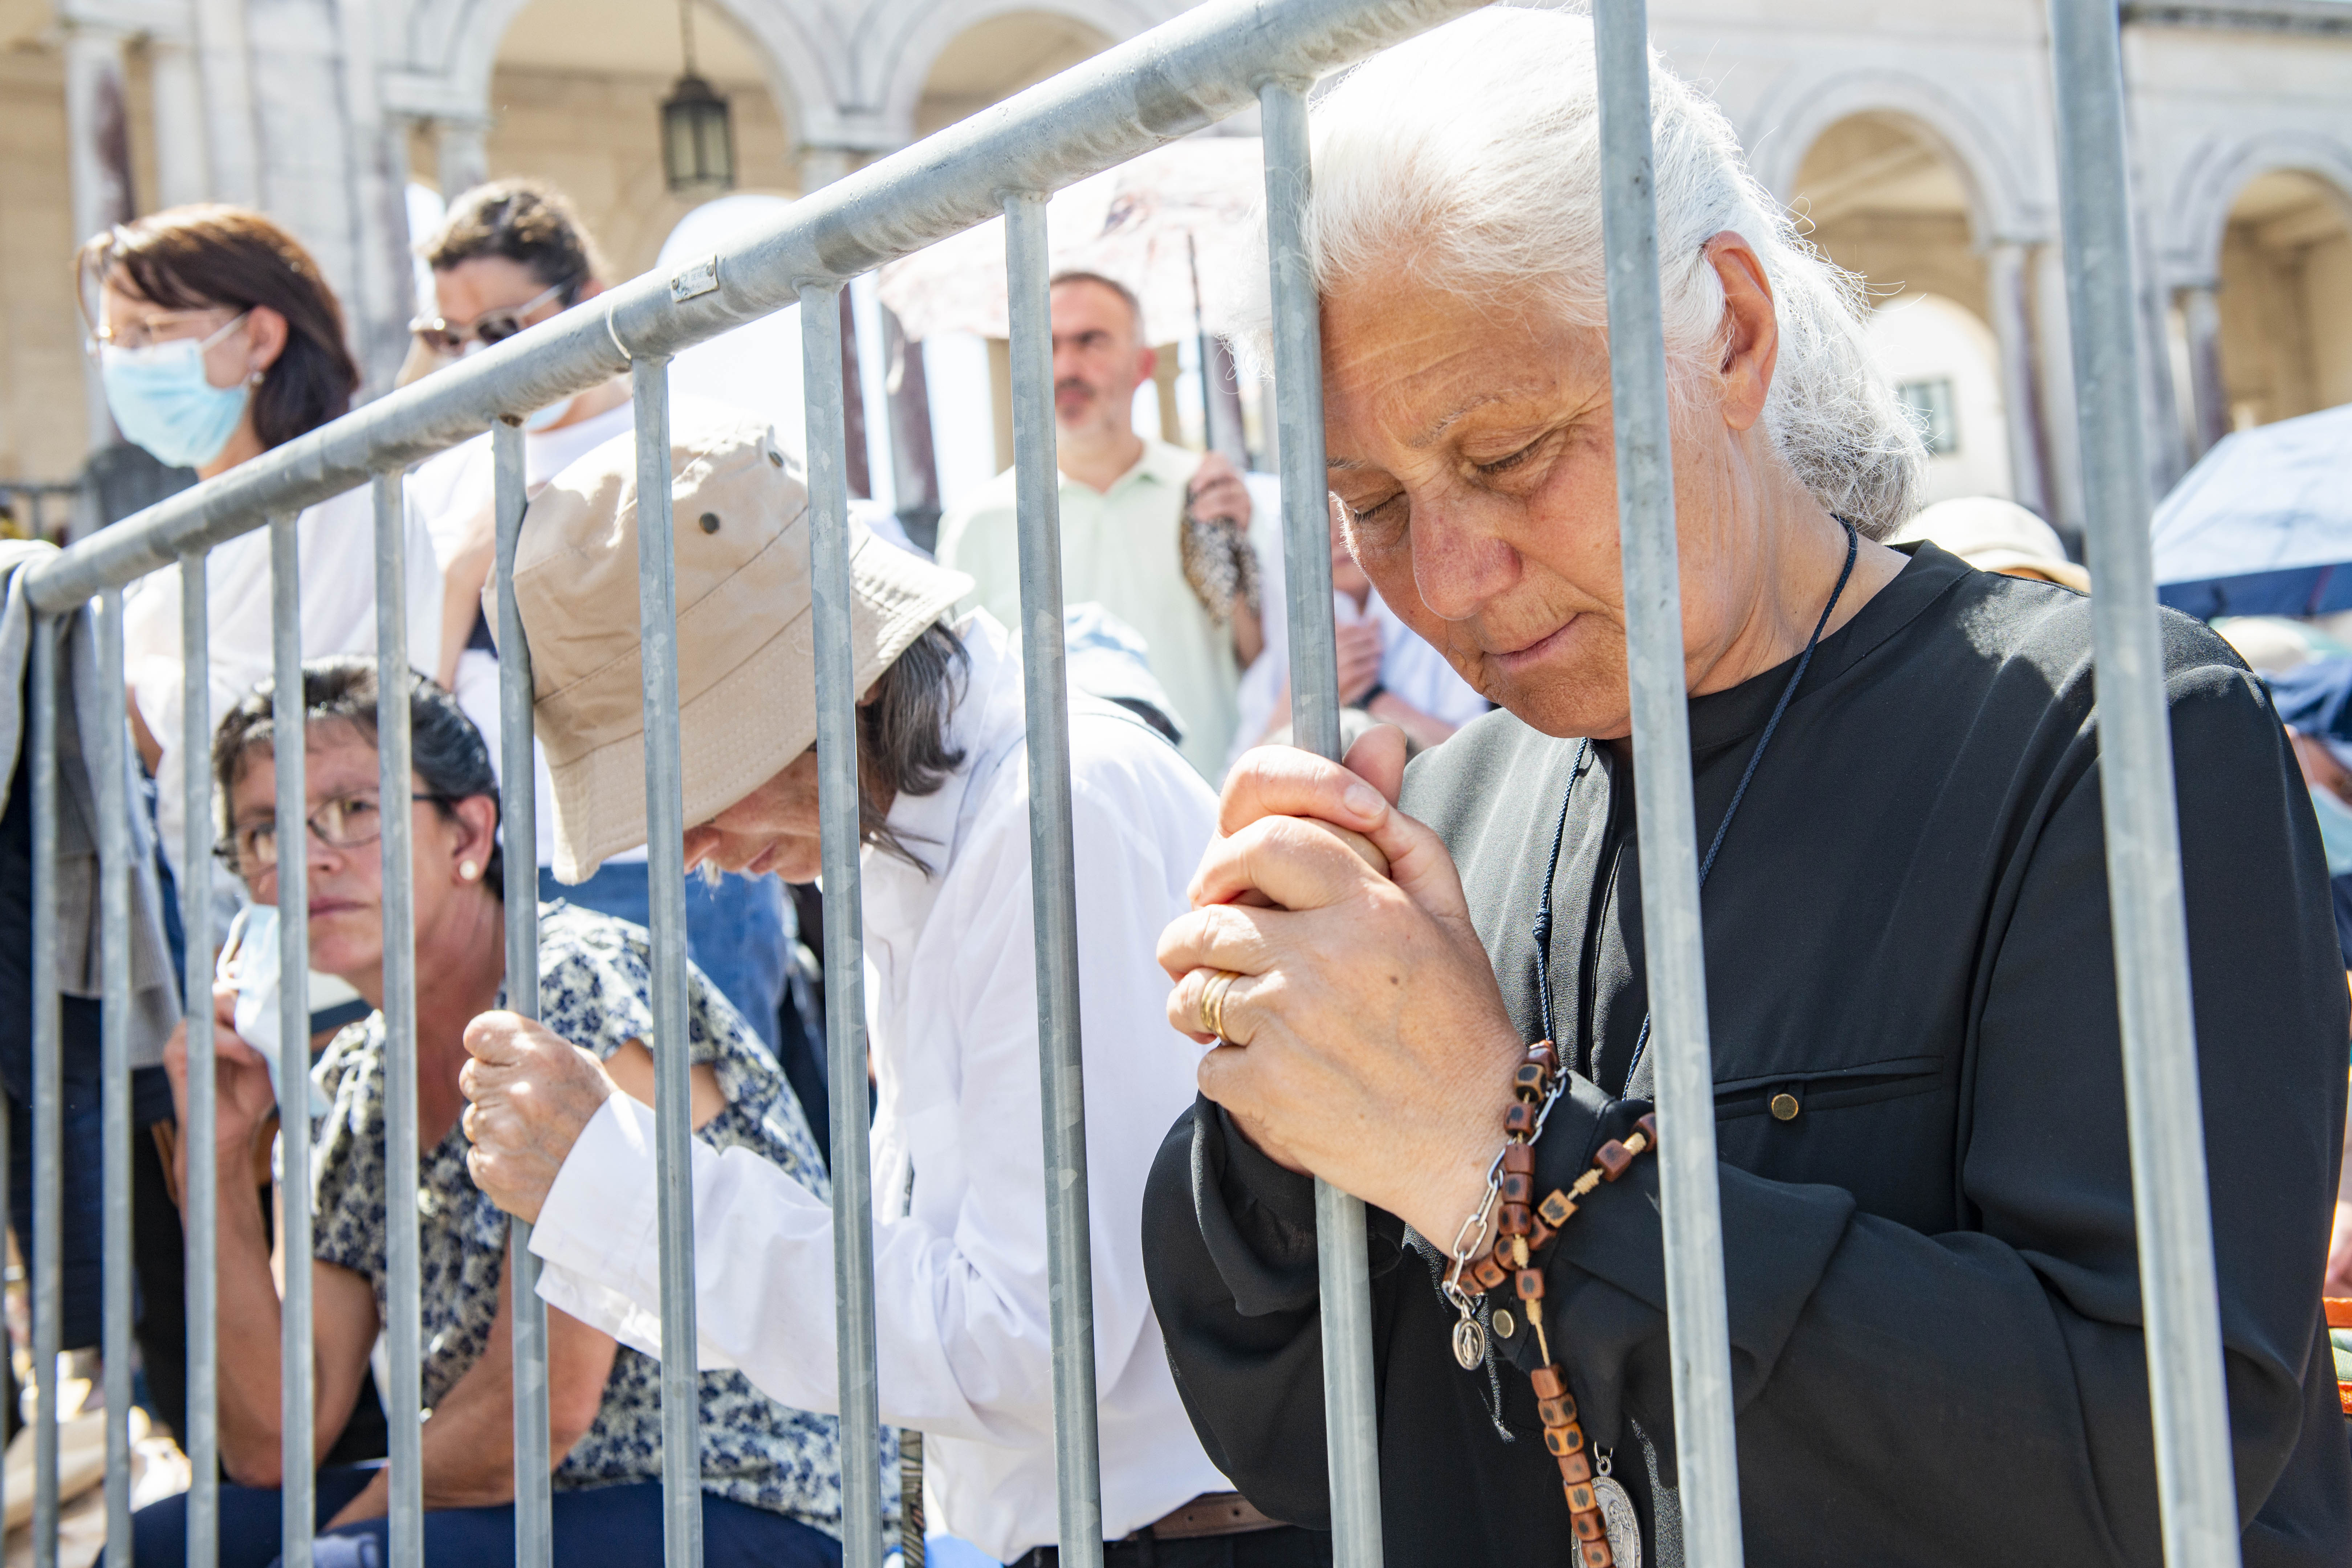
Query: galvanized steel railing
x: 1207, y: 64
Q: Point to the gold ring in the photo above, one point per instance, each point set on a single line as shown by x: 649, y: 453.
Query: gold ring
x: 1213, y: 1002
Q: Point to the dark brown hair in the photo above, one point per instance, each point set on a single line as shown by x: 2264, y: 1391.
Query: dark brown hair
x: 526, y: 221
x: 903, y: 743
x: 223, y: 257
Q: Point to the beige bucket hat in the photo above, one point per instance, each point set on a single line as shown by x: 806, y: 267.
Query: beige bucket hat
x: 1996, y: 535
x: 746, y: 636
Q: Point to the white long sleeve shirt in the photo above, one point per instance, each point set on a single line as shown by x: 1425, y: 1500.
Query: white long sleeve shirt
x: 959, y: 1269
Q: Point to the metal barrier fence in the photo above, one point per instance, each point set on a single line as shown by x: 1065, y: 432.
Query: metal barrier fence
x: 1208, y: 64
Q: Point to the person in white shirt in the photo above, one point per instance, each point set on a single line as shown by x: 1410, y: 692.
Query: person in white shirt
x: 510, y: 255
x: 219, y: 339
x: 1386, y: 671
x: 1157, y: 535
x: 961, y: 1288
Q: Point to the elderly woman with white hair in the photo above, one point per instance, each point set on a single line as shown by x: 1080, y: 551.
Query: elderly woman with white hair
x: 1934, y: 1315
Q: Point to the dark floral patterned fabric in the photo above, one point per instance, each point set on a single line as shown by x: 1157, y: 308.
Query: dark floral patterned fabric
x: 594, y: 991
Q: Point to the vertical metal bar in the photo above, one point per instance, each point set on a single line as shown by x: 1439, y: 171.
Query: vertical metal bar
x: 1699, y: 1323
x: 1053, y: 882
x: 106, y: 751
x: 2195, y: 1494
x: 518, y: 806
x: 681, y: 1385
x: 1343, y: 1265
x: 845, y: 932
x: 403, y: 1304
x: 200, y: 1214
x: 48, y: 1096
x: 297, y: 1370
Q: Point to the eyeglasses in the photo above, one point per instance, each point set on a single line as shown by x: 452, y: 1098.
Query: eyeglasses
x: 449, y: 339
x: 162, y: 326
x: 351, y: 822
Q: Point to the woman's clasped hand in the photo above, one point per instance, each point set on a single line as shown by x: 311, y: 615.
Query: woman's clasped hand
x: 1366, y: 1040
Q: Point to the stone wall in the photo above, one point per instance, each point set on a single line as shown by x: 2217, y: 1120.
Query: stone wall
x: 41, y: 418
x: 598, y: 139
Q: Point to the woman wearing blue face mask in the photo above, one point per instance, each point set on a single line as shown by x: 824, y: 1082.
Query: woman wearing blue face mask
x: 218, y: 340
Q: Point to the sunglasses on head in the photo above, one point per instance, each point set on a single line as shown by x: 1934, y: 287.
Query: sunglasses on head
x: 447, y: 338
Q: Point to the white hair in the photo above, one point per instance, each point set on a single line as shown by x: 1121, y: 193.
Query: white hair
x: 1470, y: 158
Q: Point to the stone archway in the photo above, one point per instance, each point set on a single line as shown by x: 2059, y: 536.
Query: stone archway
x: 2285, y: 299
x: 1886, y: 196
x: 572, y: 95
x: 933, y: 63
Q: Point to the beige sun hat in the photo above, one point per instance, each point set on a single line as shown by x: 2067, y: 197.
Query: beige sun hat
x: 746, y: 636
x: 1995, y: 535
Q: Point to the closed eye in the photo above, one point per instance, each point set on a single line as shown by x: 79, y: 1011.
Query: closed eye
x: 1506, y: 464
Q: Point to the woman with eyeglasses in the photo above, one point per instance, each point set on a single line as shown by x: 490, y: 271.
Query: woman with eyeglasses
x: 218, y: 340
x: 772, y: 1491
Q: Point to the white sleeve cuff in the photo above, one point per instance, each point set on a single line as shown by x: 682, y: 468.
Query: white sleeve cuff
x: 598, y: 1222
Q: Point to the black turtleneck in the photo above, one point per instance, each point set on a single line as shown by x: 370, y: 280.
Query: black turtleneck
x: 1933, y: 1285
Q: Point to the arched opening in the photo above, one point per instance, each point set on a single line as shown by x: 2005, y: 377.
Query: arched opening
x: 2285, y: 299
x: 992, y: 60
x: 1886, y: 198
x: 1883, y: 198
x: 576, y: 100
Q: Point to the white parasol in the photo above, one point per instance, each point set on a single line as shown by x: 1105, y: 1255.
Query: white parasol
x: 1147, y: 224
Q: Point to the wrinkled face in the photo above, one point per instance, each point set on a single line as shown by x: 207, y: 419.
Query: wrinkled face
x: 774, y: 828
x: 1470, y: 448
x: 1098, y: 363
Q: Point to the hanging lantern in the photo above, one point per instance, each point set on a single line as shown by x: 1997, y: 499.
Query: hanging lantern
x: 698, y: 143
x: 698, y: 140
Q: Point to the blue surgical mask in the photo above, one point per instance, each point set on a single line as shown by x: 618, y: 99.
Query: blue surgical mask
x: 2334, y: 830
x: 161, y: 400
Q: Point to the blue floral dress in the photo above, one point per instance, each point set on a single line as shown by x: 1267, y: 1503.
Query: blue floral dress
x: 595, y: 991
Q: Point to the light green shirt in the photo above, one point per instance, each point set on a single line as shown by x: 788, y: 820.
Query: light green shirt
x: 1120, y: 549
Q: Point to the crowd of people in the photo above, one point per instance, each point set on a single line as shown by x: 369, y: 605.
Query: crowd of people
x: 1441, y: 1006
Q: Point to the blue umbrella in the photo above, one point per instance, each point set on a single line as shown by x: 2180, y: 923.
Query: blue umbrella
x: 2262, y: 525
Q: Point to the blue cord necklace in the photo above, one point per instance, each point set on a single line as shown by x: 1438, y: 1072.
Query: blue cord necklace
x: 1584, y: 761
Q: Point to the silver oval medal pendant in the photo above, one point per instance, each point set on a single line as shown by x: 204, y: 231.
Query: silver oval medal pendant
x: 1617, y: 1513
x: 1469, y: 1343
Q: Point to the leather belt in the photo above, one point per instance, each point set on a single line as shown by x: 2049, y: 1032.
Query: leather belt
x: 1211, y: 1513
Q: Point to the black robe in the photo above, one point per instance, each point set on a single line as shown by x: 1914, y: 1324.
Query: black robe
x: 1936, y: 1338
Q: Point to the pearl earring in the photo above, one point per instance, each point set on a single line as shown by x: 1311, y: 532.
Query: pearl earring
x: 469, y: 870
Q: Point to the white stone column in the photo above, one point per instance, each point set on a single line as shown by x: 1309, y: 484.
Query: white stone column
x: 2200, y: 312
x: 462, y: 149
x: 98, y: 160
x: 820, y: 167
x: 2054, y: 354
x: 181, y: 175
x: 2009, y: 295
x: 232, y: 140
